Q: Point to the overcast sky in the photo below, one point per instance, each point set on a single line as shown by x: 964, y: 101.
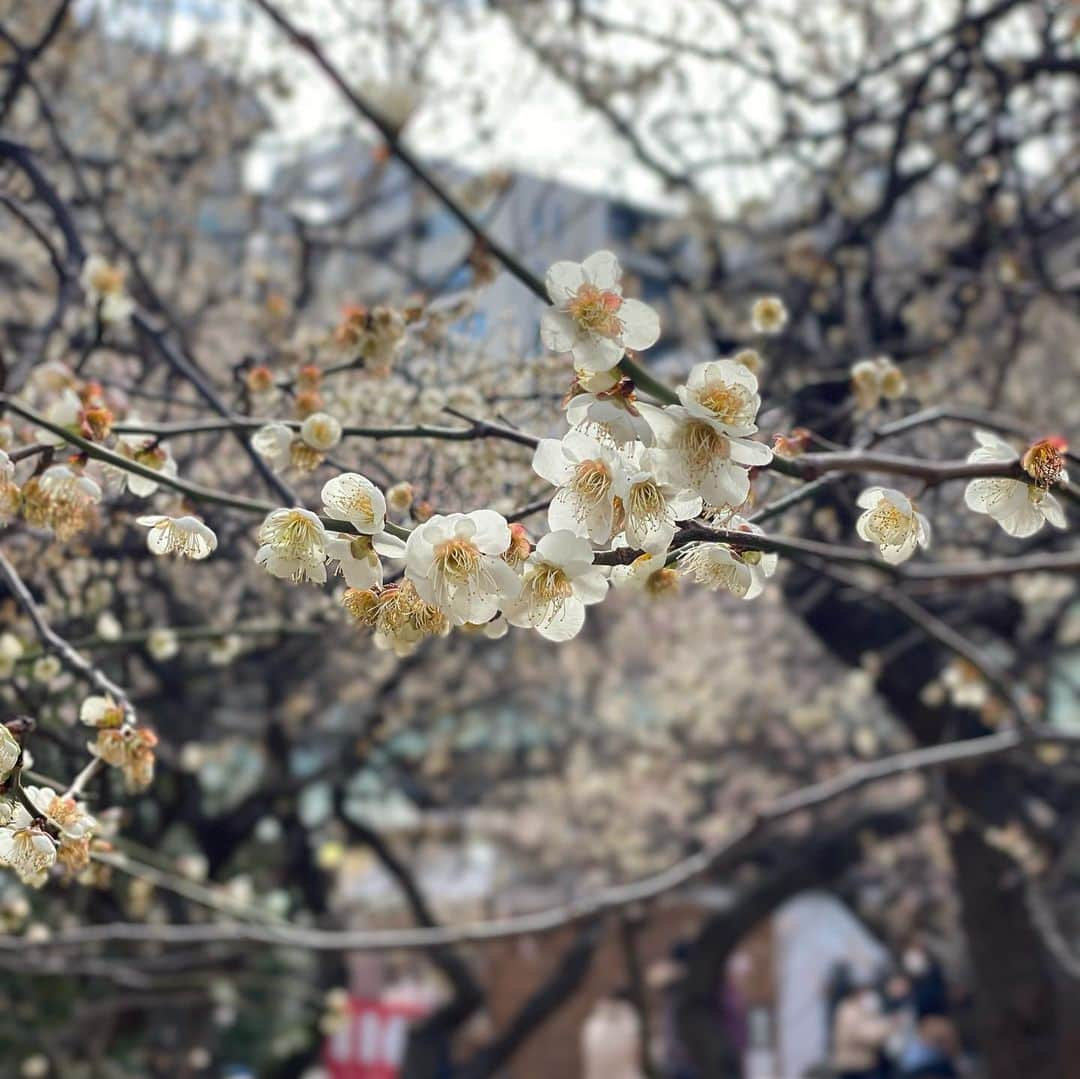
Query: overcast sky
x: 530, y: 120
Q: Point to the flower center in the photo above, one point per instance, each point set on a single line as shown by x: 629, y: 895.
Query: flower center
x: 304, y: 458
x: 399, y: 614
x: 107, y: 279
x: 28, y: 854
x: 63, y: 811
x: 646, y: 504
x: 594, y: 310
x: 360, y: 505
x: 151, y: 456
x: 591, y: 483
x: 296, y: 537
x: 458, y: 560
x: 892, y: 525
x: 1044, y: 462
x: 548, y: 585
x: 664, y: 580
x: 729, y: 404
x: 181, y: 541
x: 705, y: 569
x: 700, y: 445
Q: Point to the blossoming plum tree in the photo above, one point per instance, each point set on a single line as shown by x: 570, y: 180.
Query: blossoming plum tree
x: 300, y: 473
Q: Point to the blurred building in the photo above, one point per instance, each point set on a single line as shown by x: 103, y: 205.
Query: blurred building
x: 364, y: 230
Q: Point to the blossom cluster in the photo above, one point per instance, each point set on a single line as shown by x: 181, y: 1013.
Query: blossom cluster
x: 891, y: 520
x: 38, y: 825
x: 625, y: 475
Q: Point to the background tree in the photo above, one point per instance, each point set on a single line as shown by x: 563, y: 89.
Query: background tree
x: 910, y: 180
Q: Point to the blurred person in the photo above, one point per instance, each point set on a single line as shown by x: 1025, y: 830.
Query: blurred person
x: 840, y: 985
x: 611, y: 1040
x: 929, y: 989
x: 931, y: 1052
x: 666, y: 977
x: 860, y: 1033
x: 897, y: 997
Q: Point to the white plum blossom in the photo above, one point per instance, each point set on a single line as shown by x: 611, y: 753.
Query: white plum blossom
x: 225, y: 649
x: 46, y: 669
x: 62, y: 481
x: 610, y: 415
x: 146, y: 451
x: 705, y: 438
x: 874, y: 379
x: 651, y: 505
x: 892, y: 522
x: 1020, y: 508
x: 162, y: 643
x: 558, y: 582
x: 68, y: 816
x: 741, y: 571
x: 26, y: 848
x: 103, y: 284
x: 11, y: 651
x: 698, y: 454
x: 357, y: 557
x: 101, y: 711
x: 9, y: 753
x: 108, y: 627
x: 9, y: 489
x: 186, y: 536
x: 725, y: 393
x: 273, y: 443
x: 321, y: 431
x: 66, y: 412
x: 454, y: 562
x: 292, y: 545
x: 588, y: 475
x: 648, y: 574
x: 354, y: 498
x: 590, y: 318
x: 399, y: 498
x: 769, y: 314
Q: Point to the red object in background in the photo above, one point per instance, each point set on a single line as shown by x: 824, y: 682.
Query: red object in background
x: 371, y: 1043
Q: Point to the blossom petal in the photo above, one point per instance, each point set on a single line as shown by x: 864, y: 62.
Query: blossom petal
x: 640, y: 323
x: 603, y: 270
x: 565, y: 623
x: 564, y: 548
x: 591, y: 587
x: 1053, y: 511
x: 597, y: 353
x: 563, y: 280
x: 747, y: 452
x: 558, y: 331
x: 492, y: 534
x: 550, y: 463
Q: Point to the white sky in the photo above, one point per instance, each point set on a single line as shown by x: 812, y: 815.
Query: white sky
x: 531, y: 120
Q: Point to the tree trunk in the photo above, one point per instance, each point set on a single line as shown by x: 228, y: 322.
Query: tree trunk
x: 792, y: 867
x: 1025, y: 1008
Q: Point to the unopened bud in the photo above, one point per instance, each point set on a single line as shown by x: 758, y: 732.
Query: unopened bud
x: 520, y: 548
x: 309, y: 377
x: 308, y: 402
x: 400, y: 497
x: 260, y: 379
